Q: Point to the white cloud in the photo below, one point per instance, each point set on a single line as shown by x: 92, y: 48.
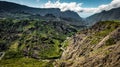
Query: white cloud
x: 63, y: 6
x: 77, y: 7
x: 73, y: 6
x: 113, y: 4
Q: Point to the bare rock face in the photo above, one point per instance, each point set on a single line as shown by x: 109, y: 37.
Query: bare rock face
x: 98, y: 46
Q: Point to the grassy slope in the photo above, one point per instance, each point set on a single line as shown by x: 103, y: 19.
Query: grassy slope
x: 32, y: 38
x: 24, y: 62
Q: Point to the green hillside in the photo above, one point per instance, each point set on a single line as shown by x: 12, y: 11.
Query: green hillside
x: 38, y: 39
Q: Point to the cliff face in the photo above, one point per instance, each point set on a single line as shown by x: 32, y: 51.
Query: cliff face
x: 98, y: 46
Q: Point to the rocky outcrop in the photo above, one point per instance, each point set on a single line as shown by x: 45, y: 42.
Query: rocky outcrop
x: 98, y: 46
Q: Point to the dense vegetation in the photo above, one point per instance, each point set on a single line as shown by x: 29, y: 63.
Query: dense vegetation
x: 38, y: 39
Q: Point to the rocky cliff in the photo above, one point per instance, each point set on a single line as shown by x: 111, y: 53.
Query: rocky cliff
x: 98, y: 46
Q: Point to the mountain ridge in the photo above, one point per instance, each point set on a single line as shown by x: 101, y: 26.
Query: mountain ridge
x: 9, y: 7
x: 110, y: 15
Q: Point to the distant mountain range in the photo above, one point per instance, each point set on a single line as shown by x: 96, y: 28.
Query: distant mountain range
x: 14, y: 10
x: 9, y: 9
x: 113, y: 14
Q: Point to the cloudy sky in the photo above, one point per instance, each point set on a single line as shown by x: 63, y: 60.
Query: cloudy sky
x: 84, y: 8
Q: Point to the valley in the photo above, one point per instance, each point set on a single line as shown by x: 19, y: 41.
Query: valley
x: 48, y: 37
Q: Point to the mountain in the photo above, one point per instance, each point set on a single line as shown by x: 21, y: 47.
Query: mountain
x: 98, y: 46
x: 34, y: 36
x: 38, y: 37
x: 112, y: 14
x: 32, y: 39
x: 14, y: 10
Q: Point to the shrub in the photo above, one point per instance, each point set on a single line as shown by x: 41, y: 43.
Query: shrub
x: 110, y: 41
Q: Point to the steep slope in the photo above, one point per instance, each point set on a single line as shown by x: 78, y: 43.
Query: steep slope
x: 8, y: 9
x: 98, y: 46
x: 112, y: 14
x: 34, y: 39
x: 31, y: 36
